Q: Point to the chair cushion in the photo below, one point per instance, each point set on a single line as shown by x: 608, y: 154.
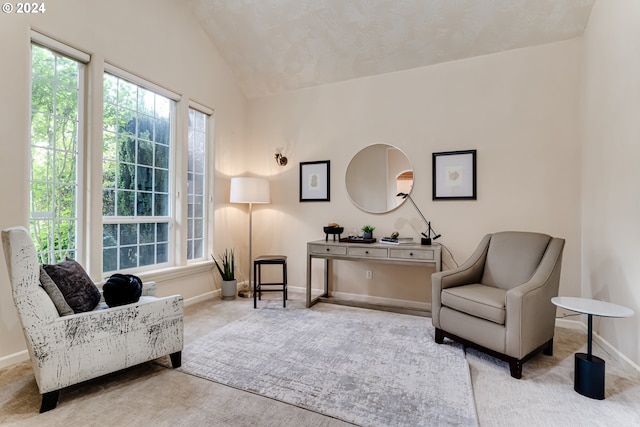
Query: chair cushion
x: 513, y: 257
x: 486, y: 302
x: 75, y: 285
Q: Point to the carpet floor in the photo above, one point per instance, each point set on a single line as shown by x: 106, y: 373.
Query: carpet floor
x: 150, y: 394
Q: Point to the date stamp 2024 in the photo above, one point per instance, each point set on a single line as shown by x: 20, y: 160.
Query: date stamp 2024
x: 24, y: 8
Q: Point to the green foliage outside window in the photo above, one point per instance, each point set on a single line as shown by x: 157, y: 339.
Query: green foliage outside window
x: 54, y: 154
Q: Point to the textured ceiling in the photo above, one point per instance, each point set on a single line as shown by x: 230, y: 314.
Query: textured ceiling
x: 280, y: 45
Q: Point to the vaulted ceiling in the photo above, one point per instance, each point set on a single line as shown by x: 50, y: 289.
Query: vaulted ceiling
x: 279, y: 45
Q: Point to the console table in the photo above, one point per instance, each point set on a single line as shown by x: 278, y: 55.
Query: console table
x: 589, y: 369
x: 368, y: 252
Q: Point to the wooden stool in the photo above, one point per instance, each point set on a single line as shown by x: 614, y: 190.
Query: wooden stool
x: 257, y: 277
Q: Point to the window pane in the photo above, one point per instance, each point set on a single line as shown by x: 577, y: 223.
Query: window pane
x: 196, y: 184
x: 140, y: 120
x: 145, y: 178
x: 147, y: 233
x: 110, y: 259
x: 125, y: 203
x: 162, y: 181
x: 108, y: 202
x: 128, y: 257
x: 145, y: 153
x: 126, y: 148
x: 161, y: 205
x: 128, y: 234
x: 55, y: 95
x: 162, y: 156
x: 145, y: 204
x: 163, y: 232
x: 147, y: 255
x: 126, y: 176
x: 162, y: 253
x: 109, y: 235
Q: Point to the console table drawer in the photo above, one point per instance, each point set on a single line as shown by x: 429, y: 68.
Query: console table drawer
x: 328, y: 249
x: 368, y: 252
x: 421, y: 254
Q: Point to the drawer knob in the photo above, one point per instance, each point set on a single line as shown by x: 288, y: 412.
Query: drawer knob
x: 328, y: 249
x: 366, y: 252
x: 410, y: 253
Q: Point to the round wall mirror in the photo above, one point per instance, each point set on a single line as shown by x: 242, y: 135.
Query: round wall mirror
x: 375, y: 175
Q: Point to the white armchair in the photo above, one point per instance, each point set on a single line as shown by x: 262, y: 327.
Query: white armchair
x: 70, y: 349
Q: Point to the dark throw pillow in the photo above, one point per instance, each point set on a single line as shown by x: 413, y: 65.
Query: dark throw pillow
x: 80, y: 293
x: 121, y: 289
x: 54, y: 293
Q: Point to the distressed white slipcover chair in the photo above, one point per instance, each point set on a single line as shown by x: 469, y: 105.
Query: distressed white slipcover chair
x: 499, y: 300
x: 70, y: 349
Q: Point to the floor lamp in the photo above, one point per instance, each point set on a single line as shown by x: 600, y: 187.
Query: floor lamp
x: 249, y: 190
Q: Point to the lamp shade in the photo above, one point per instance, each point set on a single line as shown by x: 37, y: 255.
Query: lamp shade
x: 249, y: 190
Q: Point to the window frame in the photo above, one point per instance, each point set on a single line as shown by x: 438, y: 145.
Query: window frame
x: 173, y: 169
x: 82, y: 60
x: 208, y: 120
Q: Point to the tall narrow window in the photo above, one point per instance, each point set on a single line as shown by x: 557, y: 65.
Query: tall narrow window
x: 196, y: 207
x: 55, y: 141
x: 136, y: 174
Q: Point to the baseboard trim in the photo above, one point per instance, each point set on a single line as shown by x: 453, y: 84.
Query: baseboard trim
x: 12, y: 359
x: 202, y: 297
x: 392, y: 302
x: 604, y: 344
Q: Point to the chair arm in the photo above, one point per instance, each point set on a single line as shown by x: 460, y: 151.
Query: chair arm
x: 98, y: 325
x: 530, y: 314
x: 149, y: 289
x: 469, y: 272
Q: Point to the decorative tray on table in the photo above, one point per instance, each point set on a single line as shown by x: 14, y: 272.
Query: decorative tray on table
x: 357, y: 240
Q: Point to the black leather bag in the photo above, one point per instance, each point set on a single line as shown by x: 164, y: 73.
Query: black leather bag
x: 121, y: 289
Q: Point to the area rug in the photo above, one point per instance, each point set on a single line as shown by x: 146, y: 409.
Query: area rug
x: 361, y: 366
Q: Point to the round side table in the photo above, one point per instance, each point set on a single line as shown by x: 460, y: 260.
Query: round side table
x: 589, y: 369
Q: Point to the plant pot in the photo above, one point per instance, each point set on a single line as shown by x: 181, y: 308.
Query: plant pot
x: 367, y: 234
x: 229, y: 289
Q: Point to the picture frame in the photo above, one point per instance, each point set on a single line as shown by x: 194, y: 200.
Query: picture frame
x: 315, y: 182
x: 454, y: 175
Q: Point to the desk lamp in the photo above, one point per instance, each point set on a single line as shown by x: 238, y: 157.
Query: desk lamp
x: 426, y: 240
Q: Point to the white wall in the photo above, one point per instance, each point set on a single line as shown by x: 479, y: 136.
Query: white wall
x: 610, y: 172
x: 519, y: 109
x: 159, y: 40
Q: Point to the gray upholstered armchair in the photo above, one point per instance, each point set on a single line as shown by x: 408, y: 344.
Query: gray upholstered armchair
x: 68, y: 349
x: 499, y: 300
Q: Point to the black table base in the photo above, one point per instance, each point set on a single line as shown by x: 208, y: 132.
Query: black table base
x: 589, y: 376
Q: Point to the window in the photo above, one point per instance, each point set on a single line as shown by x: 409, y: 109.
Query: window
x: 56, y: 107
x: 196, y: 207
x: 136, y: 175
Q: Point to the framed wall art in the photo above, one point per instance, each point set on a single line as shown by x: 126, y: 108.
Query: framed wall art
x: 454, y: 175
x: 315, y: 181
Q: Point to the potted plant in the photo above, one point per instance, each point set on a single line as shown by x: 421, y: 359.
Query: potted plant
x: 227, y: 272
x: 367, y: 231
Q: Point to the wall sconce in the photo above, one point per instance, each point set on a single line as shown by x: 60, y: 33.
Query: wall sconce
x: 281, y: 160
x: 426, y: 240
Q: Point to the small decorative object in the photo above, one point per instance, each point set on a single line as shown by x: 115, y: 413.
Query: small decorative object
x: 314, y: 181
x: 367, y: 231
x: 454, y: 175
x: 333, y: 228
x: 227, y: 272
